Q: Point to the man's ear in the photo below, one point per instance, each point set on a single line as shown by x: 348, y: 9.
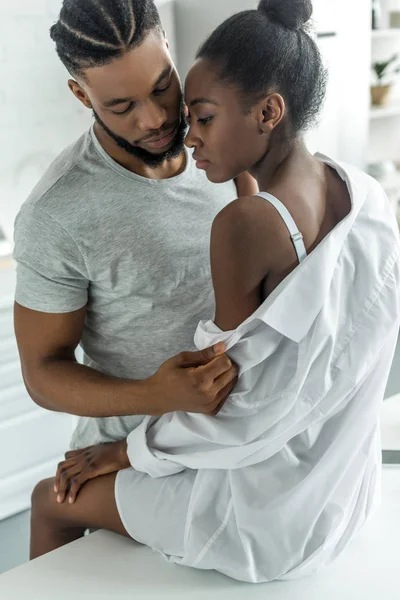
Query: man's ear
x: 270, y: 112
x: 79, y: 92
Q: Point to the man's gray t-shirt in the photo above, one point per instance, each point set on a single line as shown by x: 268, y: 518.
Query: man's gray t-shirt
x: 135, y: 250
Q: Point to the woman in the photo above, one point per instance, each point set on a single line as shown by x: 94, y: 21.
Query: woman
x: 306, y: 280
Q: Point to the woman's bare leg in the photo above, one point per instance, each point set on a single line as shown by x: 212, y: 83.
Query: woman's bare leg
x: 53, y: 525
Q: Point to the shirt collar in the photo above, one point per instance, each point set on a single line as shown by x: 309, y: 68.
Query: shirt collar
x: 294, y: 305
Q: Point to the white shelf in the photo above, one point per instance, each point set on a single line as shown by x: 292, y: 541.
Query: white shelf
x: 386, y: 33
x: 384, y: 112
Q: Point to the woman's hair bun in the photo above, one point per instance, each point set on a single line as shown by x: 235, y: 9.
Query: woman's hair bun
x: 292, y: 14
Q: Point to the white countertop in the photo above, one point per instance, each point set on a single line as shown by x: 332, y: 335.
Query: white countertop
x: 105, y: 566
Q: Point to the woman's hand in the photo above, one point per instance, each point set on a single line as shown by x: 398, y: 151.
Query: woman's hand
x: 81, y: 465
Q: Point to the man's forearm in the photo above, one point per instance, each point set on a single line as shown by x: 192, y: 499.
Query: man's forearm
x: 66, y: 386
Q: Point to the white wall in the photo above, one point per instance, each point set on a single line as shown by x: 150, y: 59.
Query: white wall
x: 195, y: 19
x: 166, y: 8
x: 353, y: 63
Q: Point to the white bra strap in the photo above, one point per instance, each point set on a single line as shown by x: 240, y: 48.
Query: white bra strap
x: 295, y: 234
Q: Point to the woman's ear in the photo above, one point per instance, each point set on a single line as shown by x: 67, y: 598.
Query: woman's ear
x: 270, y: 112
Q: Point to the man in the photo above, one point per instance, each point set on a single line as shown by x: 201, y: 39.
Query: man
x: 112, y: 245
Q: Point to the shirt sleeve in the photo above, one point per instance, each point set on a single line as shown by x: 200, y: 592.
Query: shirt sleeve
x: 51, y: 271
x: 253, y: 424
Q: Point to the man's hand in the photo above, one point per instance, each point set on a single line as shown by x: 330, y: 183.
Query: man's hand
x: 196, y: 382
x: 81, y: 465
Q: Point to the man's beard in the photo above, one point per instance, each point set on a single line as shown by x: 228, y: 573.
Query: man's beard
x: 150, y: 159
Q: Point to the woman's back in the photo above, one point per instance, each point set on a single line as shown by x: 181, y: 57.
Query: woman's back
x: 316, y: 206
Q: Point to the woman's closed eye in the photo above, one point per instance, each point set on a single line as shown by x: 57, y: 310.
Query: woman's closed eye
x: 201, y: 120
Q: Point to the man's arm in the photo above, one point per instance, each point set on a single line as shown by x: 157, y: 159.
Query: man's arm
x: 191, y: 381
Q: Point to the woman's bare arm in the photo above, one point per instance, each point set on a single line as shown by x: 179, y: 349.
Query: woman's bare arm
x: 239, y: 262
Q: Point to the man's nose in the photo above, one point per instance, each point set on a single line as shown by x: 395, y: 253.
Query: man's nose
x: 152, y: 117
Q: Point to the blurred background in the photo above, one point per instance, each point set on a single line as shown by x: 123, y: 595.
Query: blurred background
x: 39, y: 117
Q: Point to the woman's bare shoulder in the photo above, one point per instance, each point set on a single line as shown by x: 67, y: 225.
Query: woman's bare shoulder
x: 247, y: 214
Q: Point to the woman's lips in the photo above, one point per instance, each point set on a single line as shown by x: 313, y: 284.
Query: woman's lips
x: 200, y: 163
x: 161, y: 142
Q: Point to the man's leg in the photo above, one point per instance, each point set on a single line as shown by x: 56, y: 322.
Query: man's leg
x: 53, y: 525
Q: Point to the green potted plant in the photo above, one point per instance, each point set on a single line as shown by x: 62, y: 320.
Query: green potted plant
x: 384, y: 74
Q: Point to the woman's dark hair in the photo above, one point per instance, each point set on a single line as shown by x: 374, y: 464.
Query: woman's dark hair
x: 91, y: 33
x: 269, y: 50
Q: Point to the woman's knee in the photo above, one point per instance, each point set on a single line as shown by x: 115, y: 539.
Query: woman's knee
x: 94, y: 507
x: 47, y: 511
x: 43, y: 494
x: 44, y: 501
